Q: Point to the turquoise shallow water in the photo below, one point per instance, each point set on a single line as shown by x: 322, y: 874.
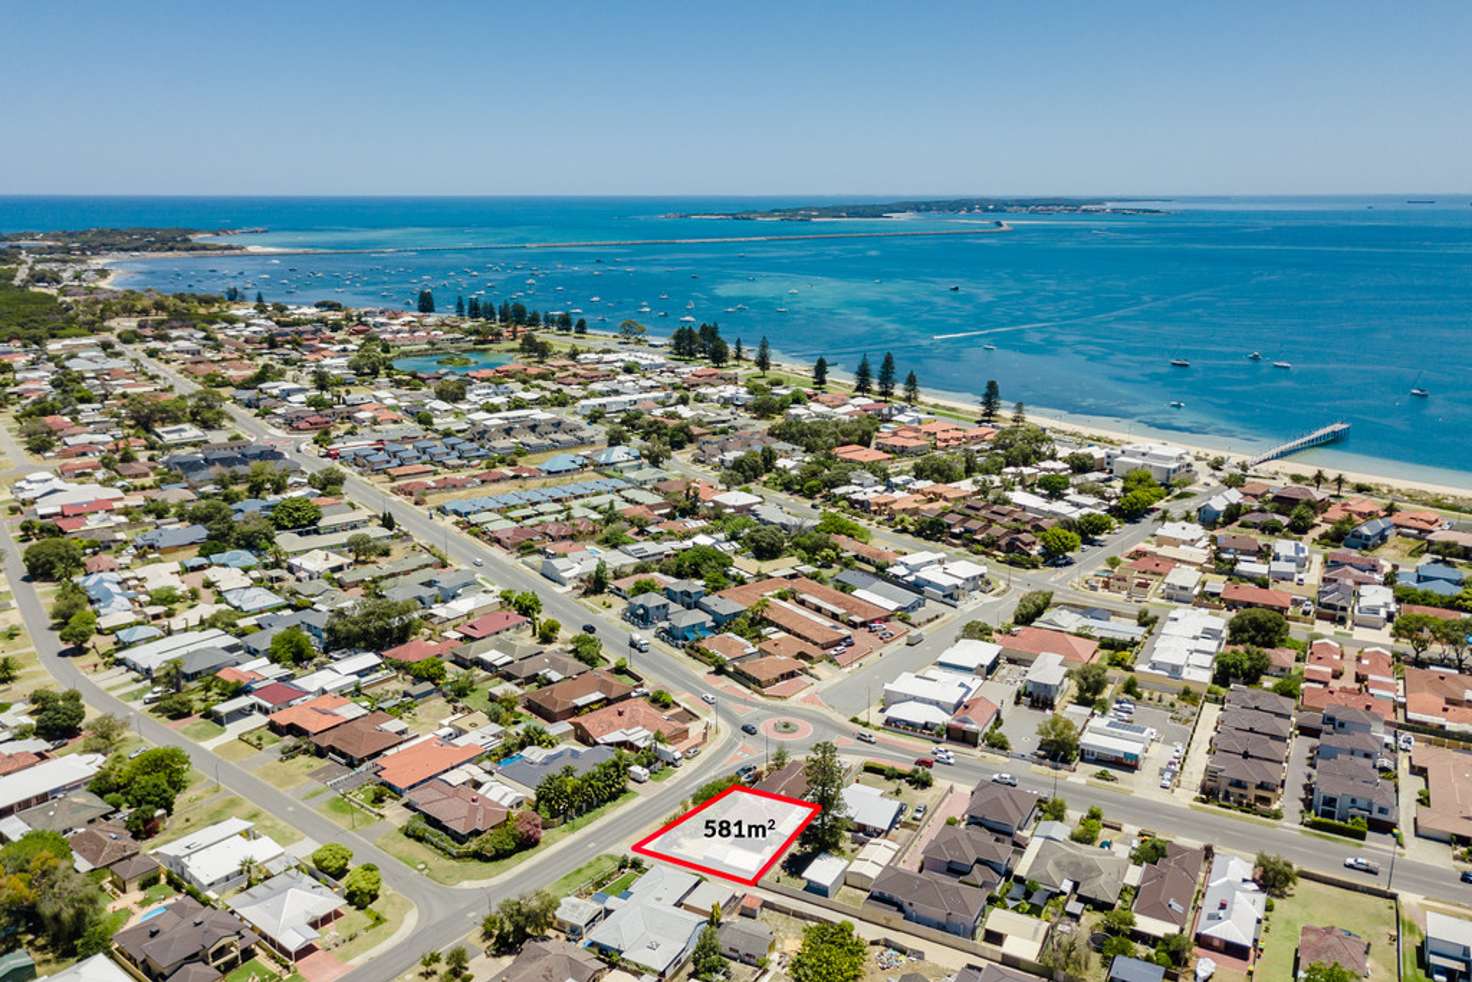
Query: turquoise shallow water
x: 431, y: 363
x: 1366, y: 298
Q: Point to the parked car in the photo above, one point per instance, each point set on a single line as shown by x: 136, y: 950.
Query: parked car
x: 1407, y: 741
x: 749, y: 728
x: 1363, y: 865
x: 1004, y: 778
x: 866, y: 737
x: 915, y: 637
x: 692, y: 753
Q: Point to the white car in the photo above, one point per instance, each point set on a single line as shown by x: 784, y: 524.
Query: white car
x: 866, y: 737
x: 478, y: 561
x: 1407, y: 741
x: 1363, y: 865
x: 707, y: 698
x: 1005, y: 778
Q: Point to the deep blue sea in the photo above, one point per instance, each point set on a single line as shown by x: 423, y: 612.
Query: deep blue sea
x: 1366, y: 298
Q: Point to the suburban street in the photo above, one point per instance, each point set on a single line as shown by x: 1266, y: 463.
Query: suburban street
x: 445, y: 914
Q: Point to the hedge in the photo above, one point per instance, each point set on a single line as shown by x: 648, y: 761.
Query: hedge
x: 1346, y: 829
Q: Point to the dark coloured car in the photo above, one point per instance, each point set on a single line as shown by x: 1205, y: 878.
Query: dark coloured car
x: 748, y: 728
x: 589, y: 629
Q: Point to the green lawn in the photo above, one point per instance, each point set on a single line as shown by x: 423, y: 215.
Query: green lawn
x: 1322, y: 905
x: 202, y: 729
x: 344, y: 814
x: 442, y: 869
x: 361, y: 932
x: 288, y: 774
x: 622, y: 883
x: 1411, y: 936
x: 591, y: 871
x: 261, y: 971
x: 200, y: 807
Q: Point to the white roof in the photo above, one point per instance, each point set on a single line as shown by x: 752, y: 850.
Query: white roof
x: 917, y: 714
x: 942, y: 689
x: 827, y: 869
x: 737, y: 499
x: 970, y: 654
x: 150, y: 655
x: 867, y: 806
x: 221, y: 860
x: 47, y: 777
x: 1444, y: 928
x: 205, y: 837
x: 284, y: 907
x: 98, y: 968
x: 1047, y: 669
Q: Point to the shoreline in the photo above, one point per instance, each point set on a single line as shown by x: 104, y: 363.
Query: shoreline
x: 1362, y: 470
x: 262, y: 250
x: 1114, y: 431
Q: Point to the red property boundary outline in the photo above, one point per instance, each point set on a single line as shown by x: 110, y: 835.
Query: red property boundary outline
x: 642, y: 846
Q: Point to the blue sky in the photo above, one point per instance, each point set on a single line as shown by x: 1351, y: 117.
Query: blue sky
x: 738, y: 98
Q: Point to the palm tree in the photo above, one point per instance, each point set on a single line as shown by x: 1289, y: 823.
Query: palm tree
x: 1339, y: 484
x: 1319, y: 478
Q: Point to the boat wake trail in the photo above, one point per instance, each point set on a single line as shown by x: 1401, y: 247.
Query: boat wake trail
x: 1085, y: 319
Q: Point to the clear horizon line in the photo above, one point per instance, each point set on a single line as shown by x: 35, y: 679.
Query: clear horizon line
x: 898, y: 196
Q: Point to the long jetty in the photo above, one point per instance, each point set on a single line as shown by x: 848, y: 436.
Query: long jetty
x: 1319, y: 437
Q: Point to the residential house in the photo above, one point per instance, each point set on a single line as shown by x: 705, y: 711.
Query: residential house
x: 184, y: 934
x: 1002, y: 809
x: 456, y: 810
x: 287, y: 912
x: 931, y: 899
x: 1232, y: 909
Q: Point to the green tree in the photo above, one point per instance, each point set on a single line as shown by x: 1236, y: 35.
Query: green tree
x: 1258, y: 626
x: 1301, y: 519
x: 825, y: 777
x: 548, y: 630
x: 1057, y: 542
x: 1089, y: 681
x: 1418, y: 631
x: 292, y: 646
x: 295, y: 513
x: 912, y: 388
x: 1058, y: 738
x: 373, y: 623
x: 361, y: 887
x: 763, y: 359
x: 886, y: 376
x: 820, y: 373
x: 58, y: 715
x: 991, y: 400
x: 363, y: 547
x: 332, y: 859
x: 1092, y: 524
x: 598, y: 581
x: 426, y: 301
x: 104, y: 733
x: 863, y: 377
x: 528, y: 605
x: 1328, y: 972
x: 1245, y: 664
x: 1031, y: 606
x: 587, y: 649
x: 706, y: 962
x: 53, y: 559
x: 1054, y: 486
x: 80, y: 629
x: 1275, y: 874
x: 329, y: 480
x: 765, y: 542
x: 829, y: 953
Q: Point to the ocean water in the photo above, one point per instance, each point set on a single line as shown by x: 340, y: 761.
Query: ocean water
x: 1081, y: 314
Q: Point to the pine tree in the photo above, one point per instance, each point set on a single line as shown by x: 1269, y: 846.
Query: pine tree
x: 825, y: 774
x: 912, y: 389
x: 1019, y: 413
x: 581, y: 327
x: 886, y: 376
x: 763, y: 360
x: 738, y: 354
x: 459, y: 306
x: 426, y: 302
x: 472, y: 310
x: 863, y: 377
x: 259, y: 297
x: 991, y: 400
x: 820, y: 372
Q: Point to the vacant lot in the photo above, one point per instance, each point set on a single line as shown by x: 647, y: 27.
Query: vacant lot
x: 1321, y: 905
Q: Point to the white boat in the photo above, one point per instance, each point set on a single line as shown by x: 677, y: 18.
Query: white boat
x: 1177, y: 404
x: 1282, y: 364
x: 989, y: 347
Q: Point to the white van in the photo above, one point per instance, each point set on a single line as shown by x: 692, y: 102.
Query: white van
x: 638, y: 774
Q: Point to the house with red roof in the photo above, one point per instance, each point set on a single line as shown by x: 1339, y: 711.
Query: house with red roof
x: 404, y: 770
x: 490, y: 625
x: 1024, y: 645
x: 1237, y: 596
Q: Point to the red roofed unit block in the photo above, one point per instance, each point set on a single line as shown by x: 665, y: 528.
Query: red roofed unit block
x: 1237, y: 595
x: 419, y: 650
x: 489, y: 625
